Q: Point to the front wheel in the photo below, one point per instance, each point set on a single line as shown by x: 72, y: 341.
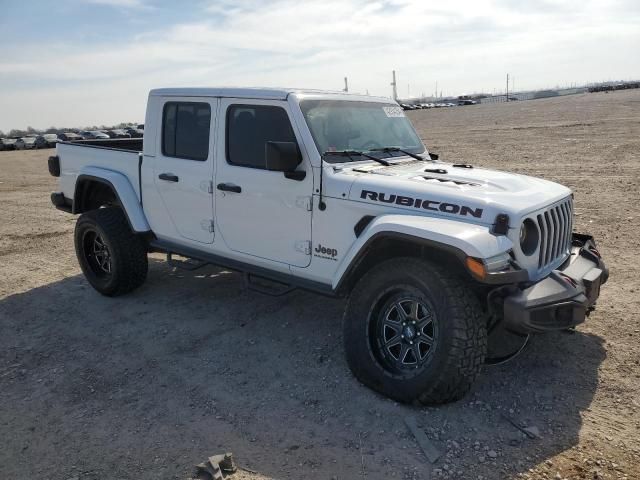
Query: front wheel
x: 414, y: 332
x: 112, y: 257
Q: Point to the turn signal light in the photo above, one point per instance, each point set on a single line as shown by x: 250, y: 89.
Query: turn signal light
x: 476, y: 267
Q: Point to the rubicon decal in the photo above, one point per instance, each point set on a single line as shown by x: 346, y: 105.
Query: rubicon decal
x: 420, y: 203
x: 324, y: 252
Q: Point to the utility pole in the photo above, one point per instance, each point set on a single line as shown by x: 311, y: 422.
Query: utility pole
x: 507, y: 87
x: 393, y: 84
x: 346, y: 85
x: 436, y: 89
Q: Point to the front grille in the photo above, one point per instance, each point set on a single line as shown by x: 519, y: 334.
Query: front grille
x: 556, y: 226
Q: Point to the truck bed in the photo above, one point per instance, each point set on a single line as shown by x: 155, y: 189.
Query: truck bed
x: 120, y: 155
x: 130, y: 144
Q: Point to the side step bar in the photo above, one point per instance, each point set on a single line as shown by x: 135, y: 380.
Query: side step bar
x: 285, y: 282
x: 267, y: 287
x: 251, y: 282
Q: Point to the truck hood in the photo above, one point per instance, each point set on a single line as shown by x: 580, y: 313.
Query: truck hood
x: 451, y: 190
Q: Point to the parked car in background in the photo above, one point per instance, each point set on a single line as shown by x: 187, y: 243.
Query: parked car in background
x: 93, y: 134
x: 135, y: 132
x: 70, y: 137
x: 48, y: 140
x: 99, y: 134
x: 7, y: 144
x: 40, y: 142
x: 117, y: 133
x: 26, y: 143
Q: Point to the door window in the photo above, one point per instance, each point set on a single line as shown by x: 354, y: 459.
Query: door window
x: 185, y: 130
x: 249, y: 128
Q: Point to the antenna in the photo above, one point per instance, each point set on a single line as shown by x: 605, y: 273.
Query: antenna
x: 393, y: 84
x: 321, y: 205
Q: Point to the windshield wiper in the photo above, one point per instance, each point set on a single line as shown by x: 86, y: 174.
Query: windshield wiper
x: 350, y: 153
x: 398, y: 149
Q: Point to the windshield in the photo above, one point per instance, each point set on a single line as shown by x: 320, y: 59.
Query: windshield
x: 338, y: 125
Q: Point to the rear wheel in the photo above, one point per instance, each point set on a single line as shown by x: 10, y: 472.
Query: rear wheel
x: 414, y: 332
x: 112, y: 257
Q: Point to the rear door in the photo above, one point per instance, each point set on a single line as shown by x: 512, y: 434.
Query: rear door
x: 183, y: 168
x: 261, y: 213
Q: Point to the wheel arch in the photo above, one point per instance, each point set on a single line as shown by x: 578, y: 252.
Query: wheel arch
x: 387, y: 245
x: 442, y: 241
x: 94, y: 189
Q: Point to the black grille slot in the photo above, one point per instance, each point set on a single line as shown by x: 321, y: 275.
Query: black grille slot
x: 556, y: 226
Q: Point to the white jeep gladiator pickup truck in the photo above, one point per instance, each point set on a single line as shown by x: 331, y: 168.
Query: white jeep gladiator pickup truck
x: 335, y: 193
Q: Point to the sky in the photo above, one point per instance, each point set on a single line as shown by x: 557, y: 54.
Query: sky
x: 92, y: 62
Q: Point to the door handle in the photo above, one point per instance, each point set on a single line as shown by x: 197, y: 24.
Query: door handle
x: 169, y: 177
x: 229, y: 187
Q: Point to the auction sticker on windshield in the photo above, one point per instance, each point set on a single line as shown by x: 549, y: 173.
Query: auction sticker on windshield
x: 393, y: 112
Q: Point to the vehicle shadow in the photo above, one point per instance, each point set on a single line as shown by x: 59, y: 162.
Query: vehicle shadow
x: 191, y: 365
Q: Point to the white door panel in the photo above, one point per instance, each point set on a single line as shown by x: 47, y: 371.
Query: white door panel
x: 268, y: 217
x: 185, y: 184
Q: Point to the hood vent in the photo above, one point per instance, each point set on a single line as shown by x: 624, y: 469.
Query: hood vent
x: 449, y: 180
x: 388, y: 170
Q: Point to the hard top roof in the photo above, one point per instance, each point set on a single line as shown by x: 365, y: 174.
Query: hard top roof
x: 256, y: 93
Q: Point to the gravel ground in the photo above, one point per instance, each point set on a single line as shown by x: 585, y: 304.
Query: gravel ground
x: 145, y: 386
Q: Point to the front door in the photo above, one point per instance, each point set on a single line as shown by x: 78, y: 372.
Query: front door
x: 261, y: 213
x: 183, y: 171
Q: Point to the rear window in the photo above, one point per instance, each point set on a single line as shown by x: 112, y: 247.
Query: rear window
x: 185, y: 130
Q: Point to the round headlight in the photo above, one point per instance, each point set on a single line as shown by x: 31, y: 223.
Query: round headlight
x: 529, y: 237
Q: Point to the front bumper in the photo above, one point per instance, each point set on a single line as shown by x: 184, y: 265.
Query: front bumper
x: 564, y: 298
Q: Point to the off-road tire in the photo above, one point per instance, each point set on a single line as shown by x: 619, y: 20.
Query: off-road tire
x: 461, y: 343
x: 127, y: 251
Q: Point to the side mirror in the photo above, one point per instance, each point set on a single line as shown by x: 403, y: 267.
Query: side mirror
x: 282, y: 156
x: 434, y: 156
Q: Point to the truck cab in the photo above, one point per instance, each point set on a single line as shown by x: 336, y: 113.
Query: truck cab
x: 208, y: 169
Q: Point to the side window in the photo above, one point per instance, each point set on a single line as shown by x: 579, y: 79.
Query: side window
x: 250, y: 127
x: 185, y: 130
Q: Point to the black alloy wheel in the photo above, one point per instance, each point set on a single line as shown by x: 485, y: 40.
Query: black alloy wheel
x: 97, y: 253
x: 404, y: 334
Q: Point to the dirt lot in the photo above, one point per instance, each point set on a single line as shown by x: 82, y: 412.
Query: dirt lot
x: 145, y: 386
